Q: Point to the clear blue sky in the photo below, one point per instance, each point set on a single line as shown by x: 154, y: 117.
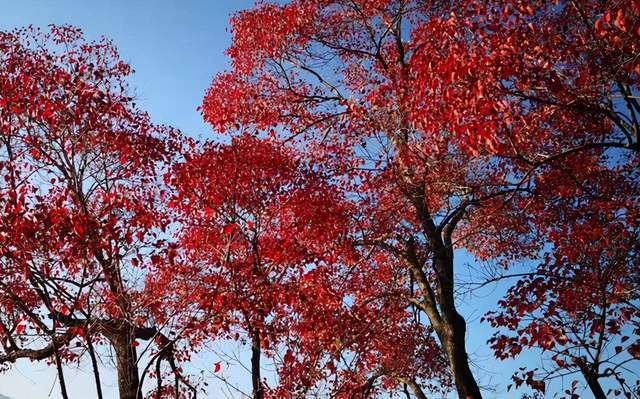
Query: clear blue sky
x: 176, y: 47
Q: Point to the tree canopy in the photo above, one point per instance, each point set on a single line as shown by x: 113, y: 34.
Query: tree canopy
x: 363, y: 149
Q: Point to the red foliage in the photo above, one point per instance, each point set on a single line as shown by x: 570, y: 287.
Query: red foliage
x: 504, y: 127
x: 80, y: 214
x: 369, y: 143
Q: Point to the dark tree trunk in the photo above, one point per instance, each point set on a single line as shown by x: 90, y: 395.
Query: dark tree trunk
x: 594, y: 384
x: 452, y: 336
x: 452, y: 327
x: 258, y: 392
x: 439, y: 306
x: 63, y: 384
x: 94, y: 364
x: 126, y: 364
x: 416, y: 389
x: 438, y: 300
x: 159, y: 377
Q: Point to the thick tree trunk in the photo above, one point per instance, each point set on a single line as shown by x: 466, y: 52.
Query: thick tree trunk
x: 258, y: 392
x: 452, y: 327
x: 438, y: 300
x: 452, y: 335
x: 594, y: 384
x: 127, y: 367
x: 439, y: 306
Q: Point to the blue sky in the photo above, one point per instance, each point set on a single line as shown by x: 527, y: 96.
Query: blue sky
x: 176, y: 47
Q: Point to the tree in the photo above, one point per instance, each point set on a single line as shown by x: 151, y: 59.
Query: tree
x: 368, y: 142
x: 580, y: 303
x: 81, y: 217
x: 356, y: 338
x: 253, y: 222
x: 341, y: 78
x: 558, y: 82
x: 263, y: 247
x: 471, y: 114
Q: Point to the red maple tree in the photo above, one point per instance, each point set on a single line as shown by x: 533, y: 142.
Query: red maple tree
x: 340, y: 78
x: 367, y: 142
x: 265, y: 256
x: 81, y: 220
x: 561, y: 77
x: 446, y: 120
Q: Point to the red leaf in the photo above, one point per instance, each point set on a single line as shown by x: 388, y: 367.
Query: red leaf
x: 229, y: 228
x: 78, y: 228
x: 209, y: 212
x: 48, y: 111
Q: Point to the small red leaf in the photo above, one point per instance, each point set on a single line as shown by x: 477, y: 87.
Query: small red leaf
x: 229, y: 228
x: 77, y: 227
x: 209, y: 212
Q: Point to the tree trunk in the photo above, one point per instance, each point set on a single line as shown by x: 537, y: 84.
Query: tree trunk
x: 416, y: 389
x: 448, y: 324
x: 258, y: 392
x: 126, y: 364
x: 439, y: 303
x: 452, y: 335
x: 94, y: 364
x: 63, y: 384
x: 452, y: 327
x: 594, y: 384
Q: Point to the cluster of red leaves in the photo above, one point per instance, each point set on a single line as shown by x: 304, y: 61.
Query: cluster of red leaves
x: 80, y: 203
x: 501, y: 113
x: 369, y: 140
x: 267, y: 241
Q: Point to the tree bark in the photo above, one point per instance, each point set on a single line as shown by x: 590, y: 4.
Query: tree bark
x: 594, y: 384
x: 438, y: 302
x: 94, y: 364
x: 452, y: 329
x: 258, y: 392
x: 63, y: 384
x: 448, y: 324
x: 416, y: 389
x: 439, y: 306
x: 452, y: 336
x: 159, y: 377
x: 126, y: 364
